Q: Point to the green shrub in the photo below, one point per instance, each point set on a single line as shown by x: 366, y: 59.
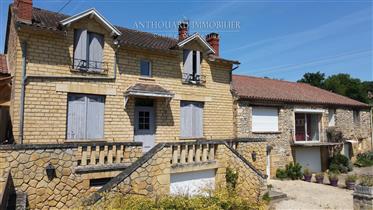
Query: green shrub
x: 222, y: 199
x: 366, y: 180
x: 364, y: 159
x: 340, y: 164
x: 281, y: 174
x: 231, y: 177
x: 294, y: 171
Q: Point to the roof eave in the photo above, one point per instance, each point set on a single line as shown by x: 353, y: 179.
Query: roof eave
x: 199, y: 38
x: 91, y: 12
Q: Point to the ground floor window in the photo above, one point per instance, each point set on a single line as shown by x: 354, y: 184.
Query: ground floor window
x: 191, y: 119
x: 85, y: 116
x: 307, y: 127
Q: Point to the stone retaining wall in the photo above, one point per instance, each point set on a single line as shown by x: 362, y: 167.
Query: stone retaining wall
x: 27, y: 164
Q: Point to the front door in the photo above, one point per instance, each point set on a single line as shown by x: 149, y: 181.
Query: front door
x: 144, y: 126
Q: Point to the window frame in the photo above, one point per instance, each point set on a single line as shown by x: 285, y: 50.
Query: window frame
x: 150, y: 68
x: 356, y: 117
x: 319, y: 124
x: 277, y: 130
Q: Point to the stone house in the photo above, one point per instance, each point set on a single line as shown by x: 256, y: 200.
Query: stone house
x: 299, y: 121
x: 100, y: 108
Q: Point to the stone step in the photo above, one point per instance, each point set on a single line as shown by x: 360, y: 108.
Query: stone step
x: 274, y: 195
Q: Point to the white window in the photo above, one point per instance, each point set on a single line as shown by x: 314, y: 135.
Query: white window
x: 85, y: 116
x: 192, y: 66
x: 145, y: 68
x: 331, y: 117
x: 88, y: 50
x: 264, y: 119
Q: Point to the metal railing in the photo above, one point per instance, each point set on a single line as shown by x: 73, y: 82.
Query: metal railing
x: 193, y: 78
x: 90, y: 66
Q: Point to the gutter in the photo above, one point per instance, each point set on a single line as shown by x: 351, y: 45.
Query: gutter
x: 25, y: 78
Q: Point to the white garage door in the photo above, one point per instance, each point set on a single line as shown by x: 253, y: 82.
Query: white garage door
x: 192, y: 183
x: 309, y: 158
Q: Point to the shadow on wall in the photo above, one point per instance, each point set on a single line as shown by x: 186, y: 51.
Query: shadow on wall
x: 6, y: 128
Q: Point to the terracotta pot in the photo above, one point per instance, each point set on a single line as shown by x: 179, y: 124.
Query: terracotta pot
x: 350, y: 185
x: 307, y: 178
x: 320, y: 180
x: 334, y: 182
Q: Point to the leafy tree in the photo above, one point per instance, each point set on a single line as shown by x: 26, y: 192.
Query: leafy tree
x: 315, y: 79
x: 342, y: 84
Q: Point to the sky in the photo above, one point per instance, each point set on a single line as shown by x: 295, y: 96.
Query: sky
x: 280, y: 39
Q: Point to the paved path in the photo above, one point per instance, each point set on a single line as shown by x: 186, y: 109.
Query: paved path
x: 304, y: 195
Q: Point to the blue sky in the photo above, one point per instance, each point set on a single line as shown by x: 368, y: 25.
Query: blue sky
x: 279, y: 39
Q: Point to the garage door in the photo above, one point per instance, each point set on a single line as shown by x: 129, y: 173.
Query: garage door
x: 309, y: 158
x: 192, y: 183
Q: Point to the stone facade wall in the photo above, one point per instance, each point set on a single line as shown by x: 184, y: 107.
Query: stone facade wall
x: 281, y: 141
x: 259, y: 148
x: 27, y: 166
x: 50, y: 54
x: 360, y: 132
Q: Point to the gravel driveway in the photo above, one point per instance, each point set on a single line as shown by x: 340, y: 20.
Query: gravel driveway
x: 305, y: 195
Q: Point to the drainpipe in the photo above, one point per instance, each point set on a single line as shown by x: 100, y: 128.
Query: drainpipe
x: 23, y: 86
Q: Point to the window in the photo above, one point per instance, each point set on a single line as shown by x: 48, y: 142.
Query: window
x: 192, y: 66
x: 145, y: 68
x: 331, y: 115
x: 356, y: 116
x: 264, y: 119
x: 191, y: 119
x: 99, y: 182
x: 85, y: 117
x: 88, y: 50
x: 307, y: 127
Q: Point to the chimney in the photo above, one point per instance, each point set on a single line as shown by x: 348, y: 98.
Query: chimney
x: 23, y: 9
x: 183, y: 31
x: 213, y: 40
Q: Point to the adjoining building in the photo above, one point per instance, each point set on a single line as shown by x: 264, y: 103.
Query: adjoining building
x: 300, y: 121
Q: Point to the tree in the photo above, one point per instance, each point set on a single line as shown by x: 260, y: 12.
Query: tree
x: 342, y: 84
x: 315, y: 79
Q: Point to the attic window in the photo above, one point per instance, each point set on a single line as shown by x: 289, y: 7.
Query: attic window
x: 192, y: 67
x: 88, y: 51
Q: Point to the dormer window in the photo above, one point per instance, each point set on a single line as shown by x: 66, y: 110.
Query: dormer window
x: 192, y: 67
x: 88, y: 51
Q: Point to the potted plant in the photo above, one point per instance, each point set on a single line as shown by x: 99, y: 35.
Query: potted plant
x: 333, y: 179
x: 350, y: 181
x: 319, y: 178
x: 307, y: 175
x: 365, y: 186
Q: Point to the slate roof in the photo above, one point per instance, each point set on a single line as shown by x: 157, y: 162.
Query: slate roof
x: 3, y: 65
x: 255, y: 88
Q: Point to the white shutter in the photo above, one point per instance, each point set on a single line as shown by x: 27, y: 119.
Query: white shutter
x: 185, y: 119
x: 96, y: 45
x: 197, y: 119
x: 264, y: 119
x: 95, y: 117
x: 76, y: 118
x: 198, y: 62
x: 188, y: 61
x: 80, y: 50
x: 331, y: 117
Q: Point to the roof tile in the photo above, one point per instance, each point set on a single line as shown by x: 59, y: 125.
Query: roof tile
x: 283, y: 91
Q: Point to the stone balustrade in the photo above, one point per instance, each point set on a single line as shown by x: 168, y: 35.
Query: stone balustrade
x: 194, y: 152
x: 107, y: 153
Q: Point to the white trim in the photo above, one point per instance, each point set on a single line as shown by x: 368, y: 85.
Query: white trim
x: 309, y: 110
x: 91, y: 12
x: 196, y: 36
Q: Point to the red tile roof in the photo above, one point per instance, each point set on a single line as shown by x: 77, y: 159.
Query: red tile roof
x: 255, y: 88
x: 3, y: 65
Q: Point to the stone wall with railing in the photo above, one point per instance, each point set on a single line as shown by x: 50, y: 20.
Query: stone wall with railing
x: 72, y: 167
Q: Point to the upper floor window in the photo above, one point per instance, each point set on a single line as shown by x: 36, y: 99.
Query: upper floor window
x: 192, y: 66
x: 191, y: 119
x: 88, y: 50
x: 145, y: 68
x: 264, y: 119
x: 356, y: 116
x: 331, y: 116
